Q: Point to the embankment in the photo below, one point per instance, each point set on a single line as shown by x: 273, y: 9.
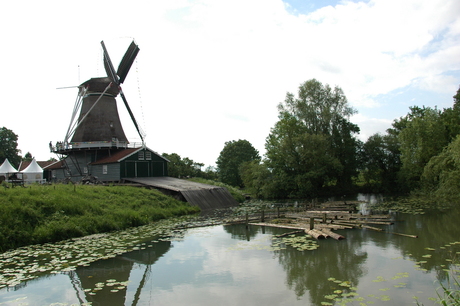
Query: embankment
x: 49, y: 213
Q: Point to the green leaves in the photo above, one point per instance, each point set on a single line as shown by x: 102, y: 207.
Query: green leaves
x: 312, y: 145
x: 232, y: 156
x: 9, y: 147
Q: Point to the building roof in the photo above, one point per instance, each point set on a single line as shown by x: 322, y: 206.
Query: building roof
x: 43, y: 164
x: 123, y: 154
x: 53, y: 165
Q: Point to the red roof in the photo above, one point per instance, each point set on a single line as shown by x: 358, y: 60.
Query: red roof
x: 116, y: 156
x: 25, y: 163
x: 54, y: 165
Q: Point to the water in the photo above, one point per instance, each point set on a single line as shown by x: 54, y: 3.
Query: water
x: 230, y: 265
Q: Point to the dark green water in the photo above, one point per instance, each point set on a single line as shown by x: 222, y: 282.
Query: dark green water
x: 230, y: 265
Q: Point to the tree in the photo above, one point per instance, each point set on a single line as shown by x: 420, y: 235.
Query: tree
x: 182, y: 167
x: 230, y: 159
x: 28, y: 157
x: 380, y: 163
x: 313, y: 146
x: 9, y: 147
x: 451, y: 118
x: 423, y: 137
x: 259, y: 180
x: 442, y: 173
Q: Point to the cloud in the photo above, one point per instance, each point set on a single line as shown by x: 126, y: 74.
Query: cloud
x: 203, y: 61
x: 370, y: 126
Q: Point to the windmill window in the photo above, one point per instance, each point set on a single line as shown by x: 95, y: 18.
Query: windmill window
x: 141, y: 155
x: 104, y: 169
x: 148, y: 155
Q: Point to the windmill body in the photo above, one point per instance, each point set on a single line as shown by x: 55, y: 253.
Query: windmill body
x: 100, y: 123
x: 95, y: 144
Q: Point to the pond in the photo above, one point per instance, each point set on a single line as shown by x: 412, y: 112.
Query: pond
x: 233, y: 265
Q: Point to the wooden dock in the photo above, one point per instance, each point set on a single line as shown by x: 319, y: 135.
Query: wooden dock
x: 202, y: 195
x: 321, y: 222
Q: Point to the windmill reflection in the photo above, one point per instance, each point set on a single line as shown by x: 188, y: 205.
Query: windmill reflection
x: 115, y: 281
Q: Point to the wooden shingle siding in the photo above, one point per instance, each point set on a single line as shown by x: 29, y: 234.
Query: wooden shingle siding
x: 113, y: 172
x: 111, y: 165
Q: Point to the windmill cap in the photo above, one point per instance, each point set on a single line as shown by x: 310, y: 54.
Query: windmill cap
x: 98, y: 85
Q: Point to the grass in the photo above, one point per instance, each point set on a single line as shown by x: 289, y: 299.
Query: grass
x: 449, y: 294
x: 50, y: 213
x: 234, y: 191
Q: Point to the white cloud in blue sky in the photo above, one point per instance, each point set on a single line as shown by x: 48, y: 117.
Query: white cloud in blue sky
x: 214, y: 71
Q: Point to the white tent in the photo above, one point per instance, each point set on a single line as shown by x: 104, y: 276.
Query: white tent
x: 33, y: 173
x: 6, y: 168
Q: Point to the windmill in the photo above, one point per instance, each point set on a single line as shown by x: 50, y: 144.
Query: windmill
x: 97, y: 131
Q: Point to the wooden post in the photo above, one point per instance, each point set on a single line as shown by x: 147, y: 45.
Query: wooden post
x: 247, y: 220
x: 262, y: 218
x: 312, y: 223
x: 278, y: 208
x: 324, y: 218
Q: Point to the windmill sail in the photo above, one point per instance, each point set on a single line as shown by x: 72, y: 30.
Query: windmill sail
x: 120, y: 76
x: 127, y: 61
x: 109, y: 67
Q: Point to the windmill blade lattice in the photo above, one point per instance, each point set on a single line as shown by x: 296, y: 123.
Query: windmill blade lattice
x: 119, y: 76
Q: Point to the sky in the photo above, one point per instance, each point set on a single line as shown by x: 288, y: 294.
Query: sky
x: 213, y: 71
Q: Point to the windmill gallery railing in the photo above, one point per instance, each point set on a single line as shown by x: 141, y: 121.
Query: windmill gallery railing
x: 61, y: 146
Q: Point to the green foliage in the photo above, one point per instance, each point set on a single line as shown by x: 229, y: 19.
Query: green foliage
x: 41, y: 214
x: 9, y: 147
x: 412, y: 155
x: 28, y: 157
x: 182, y: 167
x: 441, y: 176
x: 256, y: 178
x: 312, y: 147
x: 236, y: 193
x: 230, y: 159
x: 185, y: 167
x: 449, y: 293
x: 422, y: 138
x: 380, y: 163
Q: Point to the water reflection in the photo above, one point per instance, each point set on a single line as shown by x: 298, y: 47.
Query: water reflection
x: 235, y: 265
x: 310, y: 272
x: 95, y: 278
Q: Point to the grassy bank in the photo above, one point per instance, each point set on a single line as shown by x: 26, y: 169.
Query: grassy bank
x: 235, y: 192
x: 40, y: 214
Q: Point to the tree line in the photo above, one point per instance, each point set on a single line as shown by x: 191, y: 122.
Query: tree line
x: 313, y: 150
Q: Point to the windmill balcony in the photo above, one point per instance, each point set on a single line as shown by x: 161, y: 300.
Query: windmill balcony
x: 62, y: 147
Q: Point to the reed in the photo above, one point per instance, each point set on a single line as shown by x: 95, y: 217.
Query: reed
x: 49, y: 213
x: 449, y: 291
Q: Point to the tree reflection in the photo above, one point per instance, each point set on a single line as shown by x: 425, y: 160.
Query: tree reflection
x: 310, y: 270
x: 437, y: 233
x: 243, y: 232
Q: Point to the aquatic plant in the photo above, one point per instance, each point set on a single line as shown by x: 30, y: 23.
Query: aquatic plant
x: 413, y: 204
x: 29, y: 262
x: 448, y: 293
